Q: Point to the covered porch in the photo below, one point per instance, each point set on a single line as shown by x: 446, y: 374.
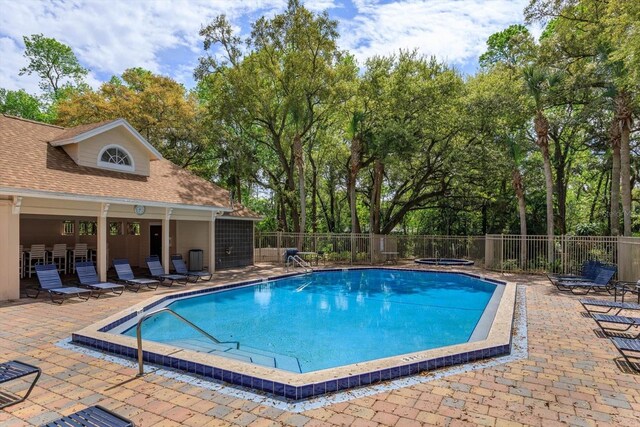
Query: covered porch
x: 107, y: 229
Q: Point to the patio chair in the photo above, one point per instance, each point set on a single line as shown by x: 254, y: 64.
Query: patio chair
x: 604, y: 319
x: 589, y: 272
x: 79, y: 253
x: 125, y: 275
x: 89, y: 278
x: 157, y: 272
x: 49, y: 280
x: 602, y: 282
x: 627, y: 288
x: 608, y: 305
x: 21, y: 261
x: 13, y: 370
x: 94, y: 416
x: 181, y: 268
x: 629, y: 349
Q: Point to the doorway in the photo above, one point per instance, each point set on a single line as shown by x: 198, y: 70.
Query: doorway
x: 155, y: 240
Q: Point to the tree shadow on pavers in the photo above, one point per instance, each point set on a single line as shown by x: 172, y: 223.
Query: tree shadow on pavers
x: 626, y: 367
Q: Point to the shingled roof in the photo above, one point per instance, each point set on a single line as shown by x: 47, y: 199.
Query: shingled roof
x: 29, y: 162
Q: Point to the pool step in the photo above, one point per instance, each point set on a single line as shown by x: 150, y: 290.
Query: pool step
x: 244, y: 353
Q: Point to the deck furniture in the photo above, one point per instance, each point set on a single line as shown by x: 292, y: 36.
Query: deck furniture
x: 181, y: 268
x: 21, y: 261
x: 157, y: 272
x: 125, y: 275
x: 604, y: 320
x: 36, y: 255
x: 601, y: 282
x: 589, y: 271
x: 615, y: 306
x: 630, y: 350
x: 49, y: 280
x: 93, y: 416
x: 59, y: 256
x: 626, y: 288
x: 89, y: 278
x: 14, y: 370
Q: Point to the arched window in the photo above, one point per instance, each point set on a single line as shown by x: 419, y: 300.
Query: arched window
x: 115, y: 157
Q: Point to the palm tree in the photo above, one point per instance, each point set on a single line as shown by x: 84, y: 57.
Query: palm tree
x: 518, y: 187
x: 539, y: 82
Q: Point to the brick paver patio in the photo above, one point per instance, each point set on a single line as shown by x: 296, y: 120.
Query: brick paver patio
x: 570, y: 377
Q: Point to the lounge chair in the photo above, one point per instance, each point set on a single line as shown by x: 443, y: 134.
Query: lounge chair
x: 49, y: 280
x: 604, y: 319
x: 181, y: 268
x: 589, y: 272
x: 94, y: 416
x: 125, y: 275
x: 13, y: 370
x: 602, y: 282
x: 89, y: 278
x: 608, y: 305
x: 629, y: 349
x: 628, y: 288
x: 157, y: 272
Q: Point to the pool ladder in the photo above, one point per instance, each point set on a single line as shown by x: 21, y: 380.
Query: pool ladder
x: 176, y: 315
x: 295, y: 260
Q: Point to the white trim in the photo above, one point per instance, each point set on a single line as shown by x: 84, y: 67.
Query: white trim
x: 107, y: 127
x: 107, y: 165
x: 241, y: 218
x: 5, y: 191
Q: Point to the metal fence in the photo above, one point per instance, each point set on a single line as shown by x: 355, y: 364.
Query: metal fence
x: 499, y: 252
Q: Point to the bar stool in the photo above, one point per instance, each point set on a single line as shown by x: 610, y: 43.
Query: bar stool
x: 79, y: 253
x: 37, y: 255
x: 59, y: 256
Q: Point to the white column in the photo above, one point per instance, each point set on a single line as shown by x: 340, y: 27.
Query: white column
x: 166, y: 223
x: 9, y: 249
x: 102, y: 262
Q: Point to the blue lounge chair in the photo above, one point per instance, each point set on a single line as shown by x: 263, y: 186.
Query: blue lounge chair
x: 157, y: 272
x: 94, y: 416
x: 13, y: 370
x: 603, y: 320
x: 125, y: 275
x: 602, y: 282
x: 89, y: 278
x: 49, y: 280
x: 629, y: 349
x: 181, y: 268
x: 610, y: 306
x: 588, y: 273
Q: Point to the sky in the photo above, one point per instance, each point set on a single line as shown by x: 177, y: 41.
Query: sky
x: 109, y: 36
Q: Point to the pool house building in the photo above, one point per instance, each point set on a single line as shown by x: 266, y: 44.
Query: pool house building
x: 101, y: 191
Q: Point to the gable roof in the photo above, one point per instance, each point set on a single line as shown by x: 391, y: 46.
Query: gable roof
x: 31, y: 164
x: 78, y: 134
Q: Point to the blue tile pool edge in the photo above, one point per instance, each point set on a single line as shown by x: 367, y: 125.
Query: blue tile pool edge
x: 287, y: 391
x: 282, y: 390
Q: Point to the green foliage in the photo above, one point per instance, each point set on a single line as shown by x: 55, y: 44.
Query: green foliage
x: 20, y: 103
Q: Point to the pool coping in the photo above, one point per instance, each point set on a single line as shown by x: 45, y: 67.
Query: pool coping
x: 296, y: 386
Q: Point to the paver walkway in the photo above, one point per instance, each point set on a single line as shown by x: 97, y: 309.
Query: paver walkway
x: 570, y: 376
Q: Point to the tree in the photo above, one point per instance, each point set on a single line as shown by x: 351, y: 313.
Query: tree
x: 52, y: 61
x: 20, y: 103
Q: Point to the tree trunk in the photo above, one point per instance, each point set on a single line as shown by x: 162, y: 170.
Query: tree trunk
x: 624, y: 122
x: 561, y: 188
x: 354, y: 168
x: 376, y: 194
x: 518, y: 187
x: 614, y: 211
x: 299, y: 164
x: 542, y: 132
x: 314, y: 196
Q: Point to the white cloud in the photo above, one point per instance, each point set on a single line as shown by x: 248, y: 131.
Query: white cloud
x: 454, y: 31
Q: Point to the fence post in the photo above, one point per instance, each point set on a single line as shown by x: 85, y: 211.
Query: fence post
x: 279, y: 244
x: 501, y: 253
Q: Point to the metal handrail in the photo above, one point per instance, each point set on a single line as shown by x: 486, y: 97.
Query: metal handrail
x: 168, y: 310
x: 296, y: 260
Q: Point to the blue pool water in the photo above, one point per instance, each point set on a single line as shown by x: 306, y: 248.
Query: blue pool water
x: 328, y: 319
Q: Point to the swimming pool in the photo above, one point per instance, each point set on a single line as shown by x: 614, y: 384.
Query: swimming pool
x: 354, y: 327
x: 328, y: 319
